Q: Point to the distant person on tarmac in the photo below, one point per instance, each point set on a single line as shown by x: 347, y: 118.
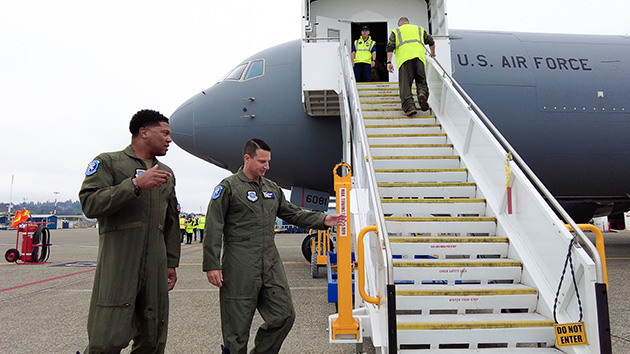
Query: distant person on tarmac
x: 363, y: 56
x: 190, y: 230
x: 132, y: 195
x: 202, y: 225
x: 241, y: 220
x: 182, y: 226
x: 407, y: 42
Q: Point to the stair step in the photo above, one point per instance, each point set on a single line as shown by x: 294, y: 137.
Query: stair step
x: 367, y: 95
x: 473, y: 331
x: 411, y: 149
x: 403, y: 129
x: 413, y: 125
x: 394, y: 105
x: 404, y: 248
x: 465, y: 290
x: 485, y: 321
x: 390, y: 90
x: 402, y: 119
x: 390, y: 108
x: 386, y: 114
x: 429, y: 263
x: 431, y: 300
x: 452, y: 272
x: 427, y: 190
x: 454, y: 225
x: 427, y: 207
x: 442, y: 161
x: 443, y: 239
x: 444, y: 175
x: 369, y: 99
x: 433, y: 138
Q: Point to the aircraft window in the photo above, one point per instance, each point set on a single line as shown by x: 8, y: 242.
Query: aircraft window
x: 256, y: 68
x: 236, y: 73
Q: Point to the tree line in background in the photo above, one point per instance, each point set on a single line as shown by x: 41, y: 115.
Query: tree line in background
x: 68, y: 207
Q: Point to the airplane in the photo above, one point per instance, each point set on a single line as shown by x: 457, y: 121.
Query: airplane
x: 561, y: 101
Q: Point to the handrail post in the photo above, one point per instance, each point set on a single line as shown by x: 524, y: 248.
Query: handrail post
x: 345, y: 324
x: 599, y: 244
x: 361, y: 256
x: 601, y: 291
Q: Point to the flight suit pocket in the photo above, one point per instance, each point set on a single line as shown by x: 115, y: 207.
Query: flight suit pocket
x: 103, y: 334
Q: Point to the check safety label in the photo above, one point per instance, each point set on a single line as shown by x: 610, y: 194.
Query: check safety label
x: 570, y: 334
x: 343, y: 209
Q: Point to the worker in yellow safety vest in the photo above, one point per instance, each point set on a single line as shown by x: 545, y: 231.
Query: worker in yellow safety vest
x: 182, y: 226
x: 201, y: 225
x: 407, y: 42
x: 363, y: 56
x: 190, y: 228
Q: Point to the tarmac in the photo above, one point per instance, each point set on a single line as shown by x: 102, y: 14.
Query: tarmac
x: 43, y: 307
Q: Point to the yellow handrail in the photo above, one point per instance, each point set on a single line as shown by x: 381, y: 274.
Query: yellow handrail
x: 599, y: 244
x: 361, y: 256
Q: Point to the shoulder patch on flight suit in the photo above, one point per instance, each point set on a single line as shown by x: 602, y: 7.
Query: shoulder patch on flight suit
x: 268, y: 195
x: 251, y: 196
x: 92, y: 167
x: 217, y: 192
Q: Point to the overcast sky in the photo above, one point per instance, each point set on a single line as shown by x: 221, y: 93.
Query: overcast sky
x: 73, y: 72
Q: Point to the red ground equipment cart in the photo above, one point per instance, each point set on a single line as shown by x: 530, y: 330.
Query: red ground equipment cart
x: 35, y: 238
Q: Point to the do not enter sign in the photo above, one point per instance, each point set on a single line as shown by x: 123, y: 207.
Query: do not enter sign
x: 570, y: 334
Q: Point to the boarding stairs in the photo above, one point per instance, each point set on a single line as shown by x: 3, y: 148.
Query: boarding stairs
x: 460, y: 262
x: 456, y: 287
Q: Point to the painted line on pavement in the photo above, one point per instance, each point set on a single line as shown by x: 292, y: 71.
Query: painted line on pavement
x: 46, y: 280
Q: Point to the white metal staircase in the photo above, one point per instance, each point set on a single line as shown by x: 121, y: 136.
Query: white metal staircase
x: 456, y: 287
x: 453, y: 268
x: 459, y: 263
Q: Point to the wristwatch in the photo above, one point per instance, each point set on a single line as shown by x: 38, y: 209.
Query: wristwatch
x: 135, y: 185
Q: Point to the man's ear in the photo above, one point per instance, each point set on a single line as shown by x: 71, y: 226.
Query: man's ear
x: 142, y: 132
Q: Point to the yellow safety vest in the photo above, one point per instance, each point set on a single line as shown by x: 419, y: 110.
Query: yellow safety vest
x: 363, y: 50
x: 202, y: 222
x: 409, y: 43
x: 190, y: 227
x: 182, y: 223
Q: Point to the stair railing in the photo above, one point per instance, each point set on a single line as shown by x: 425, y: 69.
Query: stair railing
x: 535, y: 229
x: 366, y: 210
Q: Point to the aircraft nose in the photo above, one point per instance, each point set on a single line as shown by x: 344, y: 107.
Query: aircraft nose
x: 182, y: 124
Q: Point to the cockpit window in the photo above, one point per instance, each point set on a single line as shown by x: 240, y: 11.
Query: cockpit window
x: 252, y: 70
x: 236, y: 73
x: 255, y: 69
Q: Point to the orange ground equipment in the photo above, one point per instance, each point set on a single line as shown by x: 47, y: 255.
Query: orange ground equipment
x: 35, y: 238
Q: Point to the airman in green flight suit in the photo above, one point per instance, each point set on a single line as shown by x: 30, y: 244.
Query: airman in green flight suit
x: 241, y: 219
x: 132, y: 195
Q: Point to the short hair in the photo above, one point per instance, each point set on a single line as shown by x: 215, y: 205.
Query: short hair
x: 145, y: 118
x: 403, y: 20
x: 254, y: 144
